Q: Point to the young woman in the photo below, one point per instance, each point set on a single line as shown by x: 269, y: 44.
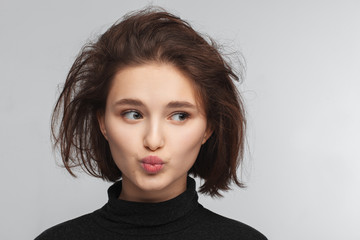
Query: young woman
x: 150, y: 102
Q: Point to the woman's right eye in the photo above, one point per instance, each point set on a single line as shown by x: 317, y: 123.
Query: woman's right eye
x: 132, y: 115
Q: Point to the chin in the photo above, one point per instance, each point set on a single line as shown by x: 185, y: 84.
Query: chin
x: 153, y: 182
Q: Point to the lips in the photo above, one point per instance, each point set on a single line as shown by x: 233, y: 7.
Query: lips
x: 152, y: 164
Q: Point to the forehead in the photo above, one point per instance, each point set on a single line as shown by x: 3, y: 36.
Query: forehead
x: 152, y: 83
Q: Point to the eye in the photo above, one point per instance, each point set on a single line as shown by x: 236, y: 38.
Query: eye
x: 132, y: 115
x: 180, y: 116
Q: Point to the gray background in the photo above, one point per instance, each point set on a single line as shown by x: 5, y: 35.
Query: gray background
x: 302, y: 93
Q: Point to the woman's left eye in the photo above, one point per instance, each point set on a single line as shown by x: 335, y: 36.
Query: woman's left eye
x: 180, y: 117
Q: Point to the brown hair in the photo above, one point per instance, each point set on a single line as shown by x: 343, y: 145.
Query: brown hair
x: 150, y: 35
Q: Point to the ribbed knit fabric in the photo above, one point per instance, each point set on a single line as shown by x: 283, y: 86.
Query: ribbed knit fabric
x: 179, y: 218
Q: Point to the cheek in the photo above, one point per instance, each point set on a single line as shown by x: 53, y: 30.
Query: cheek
x: 188, y: 139
x: 122, y: 140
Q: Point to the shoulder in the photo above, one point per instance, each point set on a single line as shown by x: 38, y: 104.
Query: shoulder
x: 72, y: 229
x: 214, y: 224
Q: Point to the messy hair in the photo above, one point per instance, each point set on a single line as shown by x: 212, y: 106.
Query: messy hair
x: 147, y: 36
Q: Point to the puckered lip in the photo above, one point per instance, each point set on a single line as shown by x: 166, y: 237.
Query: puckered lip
x: 153, y: 160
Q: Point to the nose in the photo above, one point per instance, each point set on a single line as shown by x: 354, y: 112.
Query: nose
x: 153, y: 139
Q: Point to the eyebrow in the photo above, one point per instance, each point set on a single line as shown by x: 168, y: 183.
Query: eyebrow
x: 129, y: 101
x: 138, y: 103
x: 180, y: 104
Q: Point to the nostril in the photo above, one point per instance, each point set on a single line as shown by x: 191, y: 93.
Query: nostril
x: 153, y: 143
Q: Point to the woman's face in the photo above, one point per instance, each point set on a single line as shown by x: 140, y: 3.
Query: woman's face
x: 155, y: 128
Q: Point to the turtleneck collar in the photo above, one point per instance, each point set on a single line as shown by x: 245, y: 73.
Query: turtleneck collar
x: 122, y: 215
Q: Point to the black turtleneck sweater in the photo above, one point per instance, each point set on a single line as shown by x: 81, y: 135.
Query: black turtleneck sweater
x: 179, y: 218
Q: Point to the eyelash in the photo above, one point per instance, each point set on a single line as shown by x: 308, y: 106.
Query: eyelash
x: 131, y: 111
x: 185, y: 115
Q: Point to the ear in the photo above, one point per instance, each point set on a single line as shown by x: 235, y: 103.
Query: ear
x: 207, y: 135
x: 101, y: 120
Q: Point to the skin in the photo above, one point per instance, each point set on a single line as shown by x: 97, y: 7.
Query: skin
x: 151, y: 110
